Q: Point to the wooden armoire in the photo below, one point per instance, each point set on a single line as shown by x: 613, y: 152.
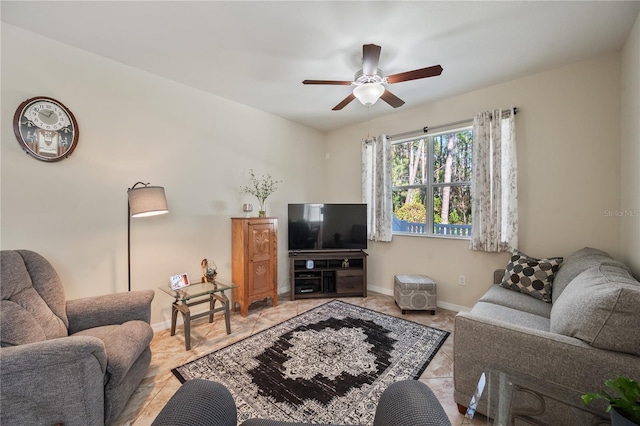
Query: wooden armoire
x: 254, y: 261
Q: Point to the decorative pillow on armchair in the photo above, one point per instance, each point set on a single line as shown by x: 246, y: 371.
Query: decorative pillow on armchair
x: 531, y: 276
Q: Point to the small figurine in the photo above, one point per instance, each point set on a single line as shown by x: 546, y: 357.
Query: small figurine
x: 204, y: 264
x: 345, y: 263
x: 208, y: 271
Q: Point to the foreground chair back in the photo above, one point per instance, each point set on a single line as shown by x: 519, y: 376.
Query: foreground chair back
x: 201, y: 402
x: 74, y: 362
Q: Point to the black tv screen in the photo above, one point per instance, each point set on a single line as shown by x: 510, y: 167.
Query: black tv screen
x: 327, y: 227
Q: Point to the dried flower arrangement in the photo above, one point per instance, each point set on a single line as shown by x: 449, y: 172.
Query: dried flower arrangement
x: 261, y: 188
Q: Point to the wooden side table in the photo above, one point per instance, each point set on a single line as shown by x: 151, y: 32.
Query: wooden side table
x: 196, y: 294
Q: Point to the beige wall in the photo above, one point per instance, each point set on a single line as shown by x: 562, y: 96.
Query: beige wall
x: 568, y: 133
x: 136, y: 126
x: 630, y: 151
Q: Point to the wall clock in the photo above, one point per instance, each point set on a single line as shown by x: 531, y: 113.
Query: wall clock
x: 45, y: 128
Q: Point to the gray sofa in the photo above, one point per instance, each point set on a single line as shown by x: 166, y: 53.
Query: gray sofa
x: 589, y: 332
x: 73, y: 362
x: 201, y: 402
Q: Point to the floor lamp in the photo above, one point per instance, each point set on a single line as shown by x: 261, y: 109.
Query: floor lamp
x: 144, y: 201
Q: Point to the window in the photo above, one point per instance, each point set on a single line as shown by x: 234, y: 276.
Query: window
x: 431, y: 184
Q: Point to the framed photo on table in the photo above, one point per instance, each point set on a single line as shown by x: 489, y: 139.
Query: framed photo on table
x: 178, y: 281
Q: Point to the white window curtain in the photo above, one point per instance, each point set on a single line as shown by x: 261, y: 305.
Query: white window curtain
x: 376, y: 187
x: 494, y: 189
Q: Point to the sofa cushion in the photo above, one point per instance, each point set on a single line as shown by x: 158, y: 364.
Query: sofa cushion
x: 601, y: 306
x: 531, y: 276
x: 576, y: 263
x: 522, y: 302
x: 511, y: 316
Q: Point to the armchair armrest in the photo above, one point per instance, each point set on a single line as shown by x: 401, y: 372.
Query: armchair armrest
x: 199, y: 401
x: 409, y: 402
x: 109, y: 309
x: 53, y: 381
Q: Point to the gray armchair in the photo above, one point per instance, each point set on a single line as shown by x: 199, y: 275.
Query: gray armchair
x: 75, y: 362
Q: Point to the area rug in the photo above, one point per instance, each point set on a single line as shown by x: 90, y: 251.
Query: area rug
x: 327, y: 365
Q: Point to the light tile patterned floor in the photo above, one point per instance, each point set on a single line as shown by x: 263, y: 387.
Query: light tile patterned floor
x: 169, y: 352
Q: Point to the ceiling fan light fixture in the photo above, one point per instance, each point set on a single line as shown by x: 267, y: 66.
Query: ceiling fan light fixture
x: 368, y: 93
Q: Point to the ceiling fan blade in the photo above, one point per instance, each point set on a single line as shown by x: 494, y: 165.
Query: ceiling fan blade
x: 415, y: 74
x: 370, y: 59
x: 391, y: 99
x: 344, y: 102
x: 335, y: 82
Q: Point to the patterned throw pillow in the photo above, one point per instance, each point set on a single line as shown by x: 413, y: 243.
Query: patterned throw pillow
x: 531, y: 276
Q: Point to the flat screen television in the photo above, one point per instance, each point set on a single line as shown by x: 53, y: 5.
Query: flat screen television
x: 327, y: 227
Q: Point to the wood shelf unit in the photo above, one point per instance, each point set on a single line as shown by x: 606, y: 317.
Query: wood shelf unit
x: 254, y: 261
x: 333, y: 274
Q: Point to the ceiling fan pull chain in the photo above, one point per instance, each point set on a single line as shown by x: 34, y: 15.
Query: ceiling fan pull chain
x: 368, y: 132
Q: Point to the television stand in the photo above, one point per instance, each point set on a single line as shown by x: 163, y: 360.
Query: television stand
x: 327, y: 274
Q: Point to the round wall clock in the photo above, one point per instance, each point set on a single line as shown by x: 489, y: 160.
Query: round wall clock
x: 45, y: 128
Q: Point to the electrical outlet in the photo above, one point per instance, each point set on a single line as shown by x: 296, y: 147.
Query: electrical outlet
x: 462, y: 280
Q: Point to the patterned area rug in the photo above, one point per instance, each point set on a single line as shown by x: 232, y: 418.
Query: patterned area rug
x: 327, y: 365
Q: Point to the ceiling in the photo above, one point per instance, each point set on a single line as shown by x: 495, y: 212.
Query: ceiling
x: 258, y: 52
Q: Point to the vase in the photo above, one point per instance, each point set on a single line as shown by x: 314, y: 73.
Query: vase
x: 262, y: 213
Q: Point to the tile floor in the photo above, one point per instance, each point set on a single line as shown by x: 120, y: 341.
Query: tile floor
x: 169, y: 352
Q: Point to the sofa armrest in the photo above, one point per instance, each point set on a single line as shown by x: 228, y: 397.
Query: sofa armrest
x: 53, y: 381
x: 482, y: 343
x: 109, y: 309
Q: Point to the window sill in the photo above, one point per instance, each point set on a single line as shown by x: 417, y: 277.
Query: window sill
x: 442, y: 237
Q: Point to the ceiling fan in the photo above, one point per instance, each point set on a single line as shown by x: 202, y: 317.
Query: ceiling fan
x: 369, y: 81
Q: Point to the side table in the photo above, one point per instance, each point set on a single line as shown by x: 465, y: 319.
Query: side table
x: 195, y: 294
x: 514, y: 398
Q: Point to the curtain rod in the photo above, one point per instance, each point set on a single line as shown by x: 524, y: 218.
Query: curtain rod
x: 440, y: 126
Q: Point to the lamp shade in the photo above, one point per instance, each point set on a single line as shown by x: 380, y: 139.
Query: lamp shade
x: 368, y: 93
x: 147, y: 201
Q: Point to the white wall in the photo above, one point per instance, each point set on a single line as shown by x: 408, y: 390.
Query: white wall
x: 136, y: 126
x: 630, y: 151
x: 568, y: 147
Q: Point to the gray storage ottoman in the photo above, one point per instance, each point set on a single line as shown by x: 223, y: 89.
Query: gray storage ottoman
x: 415, y: 292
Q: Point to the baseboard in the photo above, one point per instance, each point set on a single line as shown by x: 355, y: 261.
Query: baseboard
x: 381, y: 290
x: 444, y: 305
x: 452, y: 307
x: 165, y: 325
